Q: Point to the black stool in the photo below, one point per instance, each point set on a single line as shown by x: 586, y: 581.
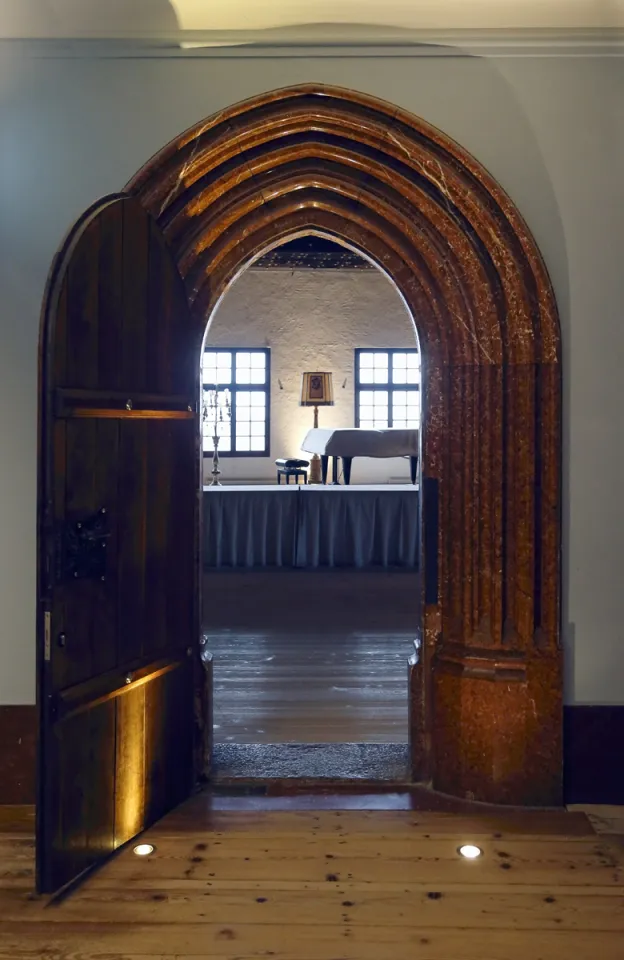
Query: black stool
x: 292, y: 468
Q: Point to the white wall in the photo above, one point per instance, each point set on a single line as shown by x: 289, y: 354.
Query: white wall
x: 310, y: 320
x: 549, y: 129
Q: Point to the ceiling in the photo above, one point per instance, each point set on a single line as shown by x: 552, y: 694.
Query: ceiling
x: 358, y: 18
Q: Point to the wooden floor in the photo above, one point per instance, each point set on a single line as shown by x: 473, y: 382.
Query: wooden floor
x: 329, y: 885
x: 310, y: 657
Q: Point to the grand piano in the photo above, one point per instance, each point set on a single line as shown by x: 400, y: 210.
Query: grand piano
x: 349, y: 442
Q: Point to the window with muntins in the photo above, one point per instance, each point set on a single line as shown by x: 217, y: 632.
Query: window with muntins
x: 387, y: 388
x: 236, y: 395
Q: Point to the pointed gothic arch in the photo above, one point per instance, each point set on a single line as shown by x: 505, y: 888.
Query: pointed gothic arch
x: 321, y: 159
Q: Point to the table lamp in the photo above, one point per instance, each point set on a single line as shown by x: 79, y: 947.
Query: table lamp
x: 316, y: 391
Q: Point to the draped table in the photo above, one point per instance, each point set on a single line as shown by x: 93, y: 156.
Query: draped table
x: 311, y: 526
x: 250, y: 526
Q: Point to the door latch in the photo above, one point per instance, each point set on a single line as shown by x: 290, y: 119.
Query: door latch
x: 81, y: 548
x: 47, y: 631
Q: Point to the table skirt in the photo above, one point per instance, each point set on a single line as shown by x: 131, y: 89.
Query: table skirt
x: 359, y: 527
x: 311, y: 527
x: 250, y: 526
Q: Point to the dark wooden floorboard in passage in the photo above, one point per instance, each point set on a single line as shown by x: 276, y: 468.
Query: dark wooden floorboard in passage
x: 310, y: 657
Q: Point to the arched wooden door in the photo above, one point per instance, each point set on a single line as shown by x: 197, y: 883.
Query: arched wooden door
x: 118, y: 502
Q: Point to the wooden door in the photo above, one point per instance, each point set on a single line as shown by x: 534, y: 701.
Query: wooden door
x: 118, y: 521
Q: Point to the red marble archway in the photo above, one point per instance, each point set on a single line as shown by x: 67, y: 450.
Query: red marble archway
x: 314, y: 158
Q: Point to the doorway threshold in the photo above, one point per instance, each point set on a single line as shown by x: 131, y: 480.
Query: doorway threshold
x: 326, y: 763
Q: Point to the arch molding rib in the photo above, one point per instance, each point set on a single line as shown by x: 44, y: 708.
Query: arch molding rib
x: 487, y: 709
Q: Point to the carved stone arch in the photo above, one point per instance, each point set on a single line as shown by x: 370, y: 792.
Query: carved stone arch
x: 321, y: 159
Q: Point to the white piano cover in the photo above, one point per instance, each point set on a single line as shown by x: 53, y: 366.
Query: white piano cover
x: 358, y: 442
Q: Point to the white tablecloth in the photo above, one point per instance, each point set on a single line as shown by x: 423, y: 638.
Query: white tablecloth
x: 360, y: 442
x: 311, y: 526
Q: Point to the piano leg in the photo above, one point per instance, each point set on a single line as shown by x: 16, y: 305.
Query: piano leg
x: 324, y: 466
x: 413, y: 468
x: 335, y: 470
x: 346, y: 469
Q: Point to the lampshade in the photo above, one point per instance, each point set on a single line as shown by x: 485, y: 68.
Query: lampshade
x: 317, y: 390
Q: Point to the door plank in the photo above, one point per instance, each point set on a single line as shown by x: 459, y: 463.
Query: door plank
x: 132, y: 538
x: 58, y: 333
x: 168, y: 710
x: 82, y: 328
x: 80, y: 472
x: 104, y: 632
x: 130, y: 766
x: 134, y: 307
x: 159, y: 507
x: 110, y: 294
x: 156, y: 748
x: 183, y: 536
x: 162, y: 339
x: 99, y: 798
x: 71, y: 824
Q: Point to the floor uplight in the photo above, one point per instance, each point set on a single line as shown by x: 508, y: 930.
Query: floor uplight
x: 470, y: 851
x: 143, y: 849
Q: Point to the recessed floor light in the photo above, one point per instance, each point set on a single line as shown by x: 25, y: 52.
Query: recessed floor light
x: 469, y: 851
x: 143, y: 849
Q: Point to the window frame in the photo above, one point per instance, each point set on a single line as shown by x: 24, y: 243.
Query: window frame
x: 234, y: 388
x: 390, y: 387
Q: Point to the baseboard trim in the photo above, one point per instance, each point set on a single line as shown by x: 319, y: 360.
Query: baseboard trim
x: 18, y: 753
x: 593, y: 742
x: 593, y: 771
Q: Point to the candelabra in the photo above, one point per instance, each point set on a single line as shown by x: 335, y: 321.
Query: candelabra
x: 219, y: 411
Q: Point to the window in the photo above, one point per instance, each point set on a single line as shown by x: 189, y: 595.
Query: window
x: 387, y: 388
x: 242, y: 416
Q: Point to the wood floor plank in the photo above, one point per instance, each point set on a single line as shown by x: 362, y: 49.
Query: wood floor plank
x: 397, y: 828
x: 16, y: 820
x: 568, y: 874
x: 451, y: 906
x: 470, y: 832
x: 17, y: 875
x: 195, y: 817
x: 16, y: 848
x: 349, y: 888
x: 368, y: 846
x: 605, y: 818
x: 343, y: 941
x: 55, y: 955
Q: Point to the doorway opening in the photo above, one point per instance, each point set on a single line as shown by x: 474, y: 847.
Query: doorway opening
x: 486, y: 702
x: 124, y: 705
x: 310, y: 591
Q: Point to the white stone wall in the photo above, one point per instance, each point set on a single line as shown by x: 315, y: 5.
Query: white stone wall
x: 549, y: 128
x: 311, y: 320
